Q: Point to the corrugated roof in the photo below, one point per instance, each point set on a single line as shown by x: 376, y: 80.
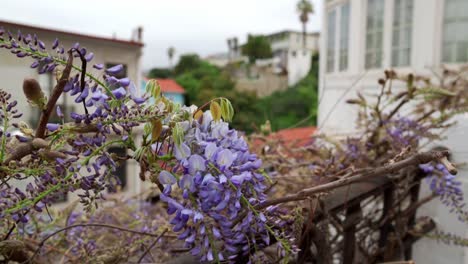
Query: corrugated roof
x: 170, y: 86
x: 35, y: 28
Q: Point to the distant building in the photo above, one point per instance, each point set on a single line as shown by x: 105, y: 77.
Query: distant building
x: 290, y: 63
x: 361, y: 38
x: 109, y: 51
x: 170, y: 89
x: 294, y: 59
x: 224, y: 58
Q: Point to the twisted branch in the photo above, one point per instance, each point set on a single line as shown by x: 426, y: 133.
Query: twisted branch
x: 58, y: 90
x: 416, y: 159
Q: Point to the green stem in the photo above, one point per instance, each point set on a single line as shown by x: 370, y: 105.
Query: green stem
x: 5, y: 127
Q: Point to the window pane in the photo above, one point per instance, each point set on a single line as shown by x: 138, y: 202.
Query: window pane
x: 331, y: 41
x: 455, y: 31
x: 402, y: 32
x: 344, y: 36
x: 374, y: 34
x: 120, y: 174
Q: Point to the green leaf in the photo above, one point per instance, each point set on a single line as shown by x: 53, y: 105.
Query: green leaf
x: 177, y: 134
x: 227, y: 111
x: 153, y: 88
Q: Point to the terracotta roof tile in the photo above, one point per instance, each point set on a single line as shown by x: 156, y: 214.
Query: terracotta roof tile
x: 170, y: 86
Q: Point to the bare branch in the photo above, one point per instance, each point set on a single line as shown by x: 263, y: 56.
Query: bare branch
x: 58, y: 89
x: 416, y: 159
x: 90, y: 225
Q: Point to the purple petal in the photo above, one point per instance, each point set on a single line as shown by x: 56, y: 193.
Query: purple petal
x: 124, y: 82
x: 196, y: 163
x: 166, y: 178
x: 116, y: 69
x: 89, y: 57
x: 52, y: 127
x: 119, y: 93
x: 98, y: 66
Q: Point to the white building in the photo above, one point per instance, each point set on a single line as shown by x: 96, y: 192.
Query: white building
x: 109, y: 51
x: 290, y: 57
x: 294, y: 58
x: 360, y: 39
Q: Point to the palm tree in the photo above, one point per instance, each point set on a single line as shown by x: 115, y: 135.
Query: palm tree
x: 170, y: 54
x: 304, y: 8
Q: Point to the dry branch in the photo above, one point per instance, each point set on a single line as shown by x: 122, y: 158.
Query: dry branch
x: 416, y: 159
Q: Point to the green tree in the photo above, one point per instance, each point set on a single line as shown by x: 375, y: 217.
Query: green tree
x: 257, y: 47
x: 296, y: 106
x: 304, y: 8
x: 187, y: 62
x: 160, y: 73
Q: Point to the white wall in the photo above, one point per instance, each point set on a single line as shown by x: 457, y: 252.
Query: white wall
x: 299, y: 62
x: 337, y: 118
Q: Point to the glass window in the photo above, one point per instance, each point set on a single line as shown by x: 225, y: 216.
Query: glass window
x: 331, y: 41
x: 402, y: 32
x: 374, y: 33
x: 455, y: 38
x: 121, y: 171
x: 344, y: 36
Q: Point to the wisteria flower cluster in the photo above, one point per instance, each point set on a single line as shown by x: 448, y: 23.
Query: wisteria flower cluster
x: 221, y: 183
x: 210, y: 181
x: 447, y: 187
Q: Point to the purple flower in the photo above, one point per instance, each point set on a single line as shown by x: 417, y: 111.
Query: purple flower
x: 196, y: 163
x: 98, y: 66
x: 182, y: 152
x: 225, y: 158
x: 124, y: 82
x: 55, y: 44
x: 166, y: 178
x: 89, y: 57
x: 115, y: 70
x: 119, y: 93
x: 52, y: 127
x: 59, y: 112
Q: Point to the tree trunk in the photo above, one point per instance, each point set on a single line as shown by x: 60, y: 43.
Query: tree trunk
x: 304, y: 35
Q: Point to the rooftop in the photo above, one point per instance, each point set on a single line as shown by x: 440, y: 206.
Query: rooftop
x: 300, y: 135
x: 7, y: 25
x: 170, y: 86
x: 291, y: 31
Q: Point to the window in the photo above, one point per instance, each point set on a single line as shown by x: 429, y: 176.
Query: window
x: 344, y: 36
x: 331, y: 41
x: 455, y: 39
x: 121, y: 171
x: 402, y: 32
x: 374, y: 33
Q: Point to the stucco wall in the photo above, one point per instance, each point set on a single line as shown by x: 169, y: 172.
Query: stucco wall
x: 336, y: 117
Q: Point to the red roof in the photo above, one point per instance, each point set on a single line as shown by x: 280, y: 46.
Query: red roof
x: 300, y: 135
x: 35, y: 28
x: 170, y: 86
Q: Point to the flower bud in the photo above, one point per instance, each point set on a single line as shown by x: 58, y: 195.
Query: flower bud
x: 33, y: 92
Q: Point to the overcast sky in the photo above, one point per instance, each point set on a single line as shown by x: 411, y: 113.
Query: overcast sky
x: 200, y: 26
